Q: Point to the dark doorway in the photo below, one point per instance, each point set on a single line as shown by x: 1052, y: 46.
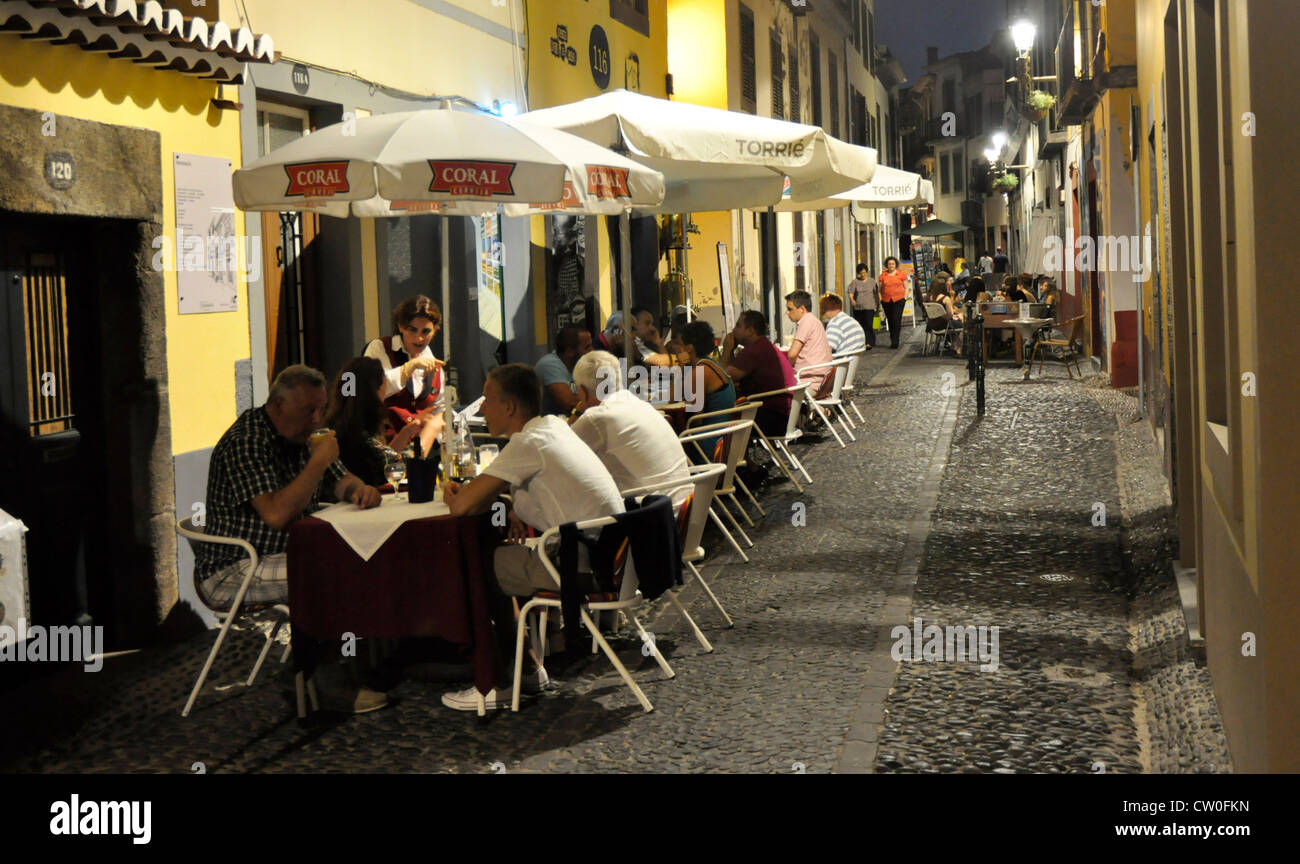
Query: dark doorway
x: 73, y: 383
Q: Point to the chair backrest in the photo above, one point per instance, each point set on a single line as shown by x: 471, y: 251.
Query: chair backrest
x: 195, y: 535
x: 935, y: 310
x: 841, y: 367
x: 741, y: 411
x: 852, y: 374
x: 738, y: 439
x: 1074, y: 324
x: 798, y: 393
x: 704, y: 480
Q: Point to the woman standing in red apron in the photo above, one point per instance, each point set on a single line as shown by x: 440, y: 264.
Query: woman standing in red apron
x: 412, y: 375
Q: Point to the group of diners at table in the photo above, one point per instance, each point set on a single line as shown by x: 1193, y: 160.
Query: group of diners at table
x: 575, y: 436
x: 952, y: 293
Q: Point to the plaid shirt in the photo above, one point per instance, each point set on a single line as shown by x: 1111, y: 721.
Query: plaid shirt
x: 251, y: 459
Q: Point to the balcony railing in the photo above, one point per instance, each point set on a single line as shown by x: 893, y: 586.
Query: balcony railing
x: 1079, y: 82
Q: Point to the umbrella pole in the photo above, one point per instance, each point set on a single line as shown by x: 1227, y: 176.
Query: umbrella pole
x: 444, y: 241
x: 625, y: 263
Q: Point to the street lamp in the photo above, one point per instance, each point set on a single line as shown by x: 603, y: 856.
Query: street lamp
x: 1023, y: 33
x: 991, y: 155
x: 999, y: 140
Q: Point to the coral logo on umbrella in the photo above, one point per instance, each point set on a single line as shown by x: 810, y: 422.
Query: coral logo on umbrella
x: 570, y: 199
x: 606, y: 182
x: 472, y: 179
x: 317, y: 179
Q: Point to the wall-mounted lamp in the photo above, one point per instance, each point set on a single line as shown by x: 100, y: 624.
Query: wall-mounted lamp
x: 1023, y: 33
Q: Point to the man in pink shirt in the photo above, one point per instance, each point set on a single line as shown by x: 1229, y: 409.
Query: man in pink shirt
x: 809, y: 346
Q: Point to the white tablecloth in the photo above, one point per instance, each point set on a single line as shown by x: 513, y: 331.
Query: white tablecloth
x: 366, y: 530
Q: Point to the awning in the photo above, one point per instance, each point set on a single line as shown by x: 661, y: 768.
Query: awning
x: 142, y: 32
x: 888, y: 187
x: 713, y: 159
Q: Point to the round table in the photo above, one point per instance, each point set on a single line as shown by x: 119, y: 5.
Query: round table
x: 1026, y: 327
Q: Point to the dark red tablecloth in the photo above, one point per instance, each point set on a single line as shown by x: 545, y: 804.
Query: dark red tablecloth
x: 428, y: 579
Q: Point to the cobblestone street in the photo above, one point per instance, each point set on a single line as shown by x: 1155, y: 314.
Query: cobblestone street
x: 932, y: 513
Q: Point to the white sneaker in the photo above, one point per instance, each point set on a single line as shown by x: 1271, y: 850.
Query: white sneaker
x: 497, y: 697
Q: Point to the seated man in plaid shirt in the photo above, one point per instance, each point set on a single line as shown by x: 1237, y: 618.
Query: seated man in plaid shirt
x: 264, y: 475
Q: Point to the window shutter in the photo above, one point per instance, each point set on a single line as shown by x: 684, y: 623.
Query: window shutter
x: 795, y: 116
x: 778, y: 75
x: 748, y: 69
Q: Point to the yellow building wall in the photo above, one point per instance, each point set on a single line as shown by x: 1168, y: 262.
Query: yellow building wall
x: 697, y: 59
x: 552, y: 81
x: 201, y: 349
x: 392, y: 41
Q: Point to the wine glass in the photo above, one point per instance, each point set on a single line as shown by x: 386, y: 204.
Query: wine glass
x: 395, y: 472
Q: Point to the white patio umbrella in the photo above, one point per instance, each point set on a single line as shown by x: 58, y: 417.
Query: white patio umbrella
x: 888, y: 187
x: 713, y: 159
x: 442, y: 161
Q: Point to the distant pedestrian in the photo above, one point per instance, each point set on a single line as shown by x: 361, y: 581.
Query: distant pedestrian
x: 1001, y: 263
x: 862, y: 294
x: 985, y: 264
x: 893, y: 295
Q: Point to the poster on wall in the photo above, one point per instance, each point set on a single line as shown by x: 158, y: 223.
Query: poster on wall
x: 205, y: 251
x: 724, y: 279
x: 487, y: 230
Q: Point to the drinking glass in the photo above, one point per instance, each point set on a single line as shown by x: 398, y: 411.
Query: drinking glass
x: 486, y: 453
x: 395, y: 472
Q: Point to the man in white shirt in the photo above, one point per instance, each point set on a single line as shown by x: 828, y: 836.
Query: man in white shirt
x: 632, y: 439
x: 552, y: 477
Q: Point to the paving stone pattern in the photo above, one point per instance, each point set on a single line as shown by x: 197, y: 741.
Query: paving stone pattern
x: 803, y: 682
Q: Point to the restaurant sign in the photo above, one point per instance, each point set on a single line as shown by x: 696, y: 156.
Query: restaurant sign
x: 604, y: 181
x: 472, y: 178
x: 317, y: 179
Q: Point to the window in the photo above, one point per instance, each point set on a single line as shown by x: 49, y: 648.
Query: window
x: 949, y: 95
x: 748, y: 71
x: 795, y: 116
x: 871, y: 42
x: 958, y: 173
x: 833, y: 76
x: 44, y: 310
x: 857, y: 26
x: 815, y: 73
x: 944, y: 179
x: 977, y: 115
x: 863, y: 42
x: 633, y: 13
x: 778, y: 74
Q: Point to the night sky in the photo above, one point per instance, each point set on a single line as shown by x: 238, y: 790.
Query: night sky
x: 907, y: 26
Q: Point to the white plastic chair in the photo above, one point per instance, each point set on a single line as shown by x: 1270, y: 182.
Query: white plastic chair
x: 628, y: 599
x: 704, y: 478
x: 187, y: 529
x: 738, y: 435
x: 740, y: 412
x: 777, y: 446
x: 833, y: 401
x: 846, y: 392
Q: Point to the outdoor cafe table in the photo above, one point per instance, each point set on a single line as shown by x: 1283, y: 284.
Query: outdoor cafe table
x: 1025, y: 327
x: 427, y: 577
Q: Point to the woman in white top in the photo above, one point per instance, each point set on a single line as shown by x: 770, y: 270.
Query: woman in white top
x: 412, y: 375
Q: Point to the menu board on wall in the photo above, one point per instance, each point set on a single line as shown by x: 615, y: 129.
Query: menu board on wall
x: 205, y: 250
x: 724, y: 279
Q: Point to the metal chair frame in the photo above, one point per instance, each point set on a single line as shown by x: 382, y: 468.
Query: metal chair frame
x: 187, y: 529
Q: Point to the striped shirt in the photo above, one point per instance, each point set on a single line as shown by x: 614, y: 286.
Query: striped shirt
x: 845, y: 335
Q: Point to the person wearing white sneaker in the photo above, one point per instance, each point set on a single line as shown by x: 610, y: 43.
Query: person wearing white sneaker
x: 552, y: 478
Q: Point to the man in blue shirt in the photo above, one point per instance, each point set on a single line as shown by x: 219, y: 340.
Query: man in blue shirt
x: 556, y: 370
x: 844, y: 334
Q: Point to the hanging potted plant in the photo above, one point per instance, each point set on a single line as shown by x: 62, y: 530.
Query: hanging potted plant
x: 1006, y: 183
x: 1038, y: 103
